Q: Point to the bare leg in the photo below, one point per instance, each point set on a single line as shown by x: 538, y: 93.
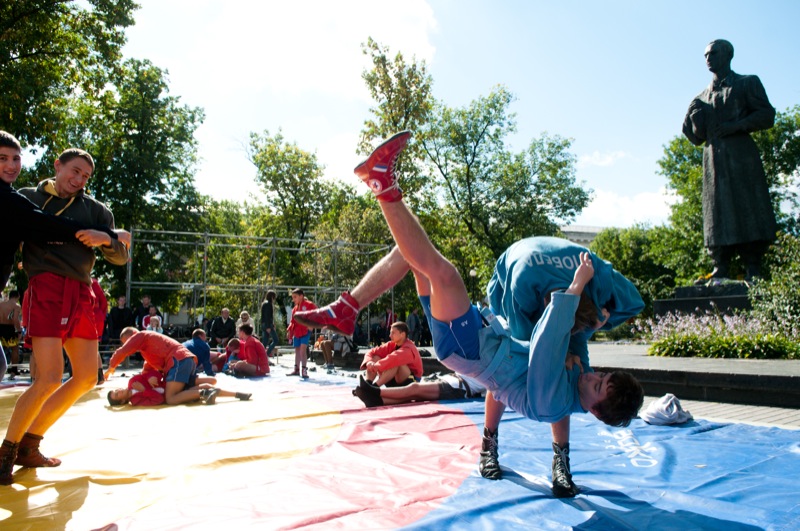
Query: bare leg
x: 83, y: 357
x: 386, y: 376
x: 560, y: 431
x: 384, y: 275
x: 449, y: 298
x: 327, y: 351
x: 176, y: 393
x: 415, y: 391
x: 47, y: 379
x: 493, y: 413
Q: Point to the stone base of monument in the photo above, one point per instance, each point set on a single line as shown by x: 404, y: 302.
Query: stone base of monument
x: 724, y: 298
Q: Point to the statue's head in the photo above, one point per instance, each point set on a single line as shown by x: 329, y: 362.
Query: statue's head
x: 719, y: 54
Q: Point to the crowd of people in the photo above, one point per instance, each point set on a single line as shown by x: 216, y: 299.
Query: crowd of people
x: 525, y: 350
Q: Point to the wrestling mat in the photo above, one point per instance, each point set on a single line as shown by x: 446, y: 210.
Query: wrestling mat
x: 309, y: 455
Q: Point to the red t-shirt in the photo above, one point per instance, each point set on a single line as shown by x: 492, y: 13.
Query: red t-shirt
x: 157, y: 350
x: 295, y: 328
x: 252, y: 351
x: 393, y: 356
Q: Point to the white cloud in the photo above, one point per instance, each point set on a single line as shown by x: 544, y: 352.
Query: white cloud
x: 285, y: 48
x: 610, y: 209
x: 601, y: 159
x: 255, y: 65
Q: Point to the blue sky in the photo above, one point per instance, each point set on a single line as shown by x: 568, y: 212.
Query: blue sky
x: 615, y: 76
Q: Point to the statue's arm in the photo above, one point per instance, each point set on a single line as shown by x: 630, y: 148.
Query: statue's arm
x: 694, y: 123
x: 761, y: 113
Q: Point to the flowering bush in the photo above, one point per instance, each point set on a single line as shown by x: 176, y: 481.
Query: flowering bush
x: 718, y: 336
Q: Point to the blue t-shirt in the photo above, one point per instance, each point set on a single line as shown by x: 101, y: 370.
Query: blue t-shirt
x: 200, y: 348
x: 546, y: 391
x: 532, y: 268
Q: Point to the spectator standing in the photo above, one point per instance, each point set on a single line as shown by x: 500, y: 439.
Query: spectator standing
x: 414, y: 326
x: 119, y: 317
x: 269, y: 336
x: 299, y: 335
x: 11, y: 326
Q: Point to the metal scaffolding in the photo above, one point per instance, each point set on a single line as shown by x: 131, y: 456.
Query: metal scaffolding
x: 201, y: 275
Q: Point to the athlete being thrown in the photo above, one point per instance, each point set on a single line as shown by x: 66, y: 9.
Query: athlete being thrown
x: 530, y: 377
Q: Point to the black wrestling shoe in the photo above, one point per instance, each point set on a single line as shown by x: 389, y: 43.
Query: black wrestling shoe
x: 489, y: 464
x: 563, y: 486
x: 369, y: 393
x: 209, y: 396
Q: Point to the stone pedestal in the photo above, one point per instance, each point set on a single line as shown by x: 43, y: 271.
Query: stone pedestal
x: 723, y: 298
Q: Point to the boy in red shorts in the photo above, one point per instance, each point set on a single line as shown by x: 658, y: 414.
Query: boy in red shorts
x: 58, y: 307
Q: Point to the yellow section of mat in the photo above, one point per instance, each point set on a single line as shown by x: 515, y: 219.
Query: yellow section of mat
x: 124, y: 464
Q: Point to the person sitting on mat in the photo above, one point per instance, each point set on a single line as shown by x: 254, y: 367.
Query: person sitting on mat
x: 396, y: 362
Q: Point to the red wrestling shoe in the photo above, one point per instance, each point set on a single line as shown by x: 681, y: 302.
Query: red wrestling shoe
x: 339, y: 316
x: 378, y: 170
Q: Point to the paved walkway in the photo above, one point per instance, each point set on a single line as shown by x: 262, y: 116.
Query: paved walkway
x: 634, y: 356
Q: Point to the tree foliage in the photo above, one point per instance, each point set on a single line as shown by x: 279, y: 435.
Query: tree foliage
x: 500, y: 196
x: 51, y: 49
x: 632, y: 252
x: 403, y: 95
x: 296, y: 193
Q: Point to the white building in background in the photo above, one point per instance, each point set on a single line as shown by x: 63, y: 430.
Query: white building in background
x: 580, y: 234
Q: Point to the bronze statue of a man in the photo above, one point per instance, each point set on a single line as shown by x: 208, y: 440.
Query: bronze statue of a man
x: 737, y: 212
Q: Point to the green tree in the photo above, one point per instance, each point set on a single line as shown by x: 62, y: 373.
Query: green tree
x: 403, y: 95
x: 296, y: 193
x: 144, y: 147
x: 780, y: 151
x: 631, y: 251
x: 142, y: 140
x: 681, y: 245
x: 500, y: 196
x: 50, y: 50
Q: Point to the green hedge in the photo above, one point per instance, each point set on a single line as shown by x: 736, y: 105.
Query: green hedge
x: 758, y: 346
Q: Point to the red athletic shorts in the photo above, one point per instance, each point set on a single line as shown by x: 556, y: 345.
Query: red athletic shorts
x: 56, y: 306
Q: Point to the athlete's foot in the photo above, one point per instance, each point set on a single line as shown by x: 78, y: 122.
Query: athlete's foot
x: 369, y: 393
x: 563, y: 486
x: 489, y: 464
x: 339, y: 316
x: 378, y: 170
x: 29, y: 455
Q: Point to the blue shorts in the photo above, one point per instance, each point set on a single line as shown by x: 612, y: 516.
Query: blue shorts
x: 182, y: 371
x: 302, y: 340
x: 459, y: 337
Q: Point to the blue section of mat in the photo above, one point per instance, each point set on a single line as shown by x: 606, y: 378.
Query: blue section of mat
x: 699, y: 475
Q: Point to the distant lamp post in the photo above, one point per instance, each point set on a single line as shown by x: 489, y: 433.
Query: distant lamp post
x: 472, y: 275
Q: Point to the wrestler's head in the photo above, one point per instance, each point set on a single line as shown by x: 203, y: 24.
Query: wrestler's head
x: 615, y: 398
x: 119, y: 397
x: 10, y: 158
x: 73, y: 169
